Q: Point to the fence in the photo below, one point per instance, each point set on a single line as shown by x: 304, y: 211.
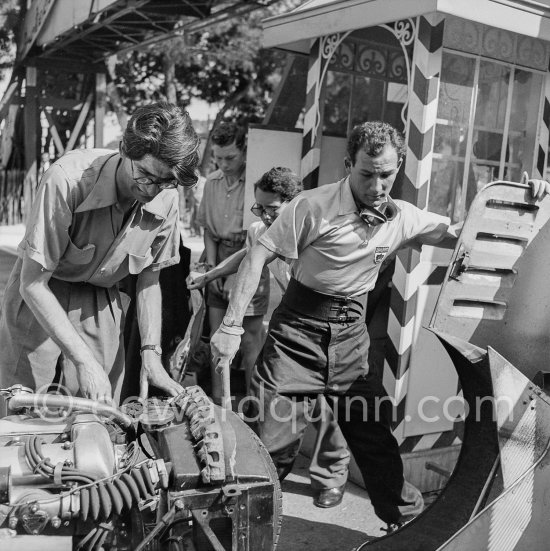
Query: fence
x: 11, y: 197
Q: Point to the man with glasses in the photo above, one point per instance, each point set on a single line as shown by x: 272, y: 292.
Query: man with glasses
x: 221, y: 216
x: 98, y: 216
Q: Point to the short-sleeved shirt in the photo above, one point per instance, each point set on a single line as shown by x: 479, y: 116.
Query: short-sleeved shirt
x: 78, y: 231
x: 332, y: 250
x: 279, y: 268
x: 221, y: 208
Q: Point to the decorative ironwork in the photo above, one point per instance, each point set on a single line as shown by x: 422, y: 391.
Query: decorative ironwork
x: 368, y: 59
x: 328, y: 46
x: 397, y: 69
x: 371, y: 61
x: 343, y: 57
x: 405, y: 32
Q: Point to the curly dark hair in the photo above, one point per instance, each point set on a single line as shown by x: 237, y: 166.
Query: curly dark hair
x: 280, y: 180
x: 372, y: 137
x: 164, y: 131
x: 227, y: 133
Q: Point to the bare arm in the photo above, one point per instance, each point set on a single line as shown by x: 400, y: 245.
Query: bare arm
x: 210, y: 248
x: 248, y: 278
x: 211, y: 253
x: 225, y: 342
x: 149, y: 314
x: 36, y: 292
x: 226, y: 267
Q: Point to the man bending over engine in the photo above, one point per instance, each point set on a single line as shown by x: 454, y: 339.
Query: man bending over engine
x: 98, y: 216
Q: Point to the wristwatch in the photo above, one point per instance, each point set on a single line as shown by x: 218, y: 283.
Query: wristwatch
x: 228, y: 321
x: 154, y: 347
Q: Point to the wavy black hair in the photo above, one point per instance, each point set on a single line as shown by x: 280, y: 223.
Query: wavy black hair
x: 164, y: 131
x: 280, y: 180
x: 227, y: 133
x: 371, y: 137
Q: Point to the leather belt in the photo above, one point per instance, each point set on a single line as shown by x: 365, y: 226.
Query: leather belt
x: 332, y: 308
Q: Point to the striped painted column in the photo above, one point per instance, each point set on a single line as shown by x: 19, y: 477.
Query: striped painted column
x: 311, y: 135
x: 320, y: 54
x: 544, y: 133
x: 410, y: 274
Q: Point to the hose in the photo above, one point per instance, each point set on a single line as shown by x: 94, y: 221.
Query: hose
x: 43, y: 466
x: 97, y: 499
x: 24, y: 400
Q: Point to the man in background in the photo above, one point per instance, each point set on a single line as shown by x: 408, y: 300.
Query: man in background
x: 221, y: 216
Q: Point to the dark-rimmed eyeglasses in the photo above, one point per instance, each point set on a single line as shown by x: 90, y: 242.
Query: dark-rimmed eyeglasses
x: 258, y: 210
x: 168, y: 183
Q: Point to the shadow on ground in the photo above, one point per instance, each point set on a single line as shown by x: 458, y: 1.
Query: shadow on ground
x: 301, y: 533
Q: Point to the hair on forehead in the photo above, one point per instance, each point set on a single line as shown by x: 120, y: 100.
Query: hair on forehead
x: 372, y: 137
x: 165, y: 132
x: 280, y: 180
x: 227, y: 133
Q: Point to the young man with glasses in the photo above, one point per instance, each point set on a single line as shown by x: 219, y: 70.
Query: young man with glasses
x: 221, y: 216
x: 330, y: 459
x: 98, y: 216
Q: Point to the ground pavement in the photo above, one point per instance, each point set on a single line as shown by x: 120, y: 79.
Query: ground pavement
x: 305, y: 527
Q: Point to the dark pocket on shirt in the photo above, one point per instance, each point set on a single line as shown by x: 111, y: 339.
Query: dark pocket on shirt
x: 136, y: 263
x: 76, y: 255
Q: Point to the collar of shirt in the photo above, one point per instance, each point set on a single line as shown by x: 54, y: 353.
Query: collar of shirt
x: 347, y: 202
x: 386, y: 212
x: 104, y: 194
x: 218, y: 175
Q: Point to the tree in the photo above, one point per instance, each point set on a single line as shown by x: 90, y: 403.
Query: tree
x: 9, y: 21
x: 222, y: 64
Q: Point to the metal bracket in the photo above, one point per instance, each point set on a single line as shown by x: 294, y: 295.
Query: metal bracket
x: 202, y: 520
x: 460, y: 265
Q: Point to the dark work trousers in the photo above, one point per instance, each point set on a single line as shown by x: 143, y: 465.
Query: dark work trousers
x: 304, y: 356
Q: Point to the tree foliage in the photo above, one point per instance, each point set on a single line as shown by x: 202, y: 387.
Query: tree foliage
x: 223, y: 64
x: 215, y: 65
x: 9, y: 21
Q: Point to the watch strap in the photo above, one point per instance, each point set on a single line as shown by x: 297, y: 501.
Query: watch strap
x: 155, y: 347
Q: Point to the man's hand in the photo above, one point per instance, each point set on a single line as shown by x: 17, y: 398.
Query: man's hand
x: 539, y: 188
x: 93, y: 382
x: 196, y: 280
x: 153, y: 372
x: 223, y: 347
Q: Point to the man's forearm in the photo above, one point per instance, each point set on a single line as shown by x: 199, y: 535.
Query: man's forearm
x: 226, y: 267
x: 247, y: 281
x: 149, y: 307
x: 210, y: 248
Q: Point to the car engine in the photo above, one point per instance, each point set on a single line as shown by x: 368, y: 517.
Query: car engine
x: 177, y: 474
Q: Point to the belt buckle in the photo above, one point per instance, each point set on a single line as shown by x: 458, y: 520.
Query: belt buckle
x: 342, y: 314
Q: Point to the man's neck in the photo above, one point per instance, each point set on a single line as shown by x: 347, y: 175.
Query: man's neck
x: 124, y: 199
x: 231, y: 179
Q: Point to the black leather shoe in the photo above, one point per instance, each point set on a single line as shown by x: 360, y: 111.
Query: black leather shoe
x: 329, y: 498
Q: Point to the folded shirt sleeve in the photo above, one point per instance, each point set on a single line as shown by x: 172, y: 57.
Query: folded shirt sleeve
x: 47, y: 232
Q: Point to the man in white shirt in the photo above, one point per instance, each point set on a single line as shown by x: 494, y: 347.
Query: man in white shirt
x: 336, y: 238
x: 330, y: 459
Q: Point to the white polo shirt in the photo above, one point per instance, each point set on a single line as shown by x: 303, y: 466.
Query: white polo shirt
x: 331, y: 249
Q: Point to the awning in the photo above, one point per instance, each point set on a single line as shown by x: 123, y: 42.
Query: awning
x: 295, y: 30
